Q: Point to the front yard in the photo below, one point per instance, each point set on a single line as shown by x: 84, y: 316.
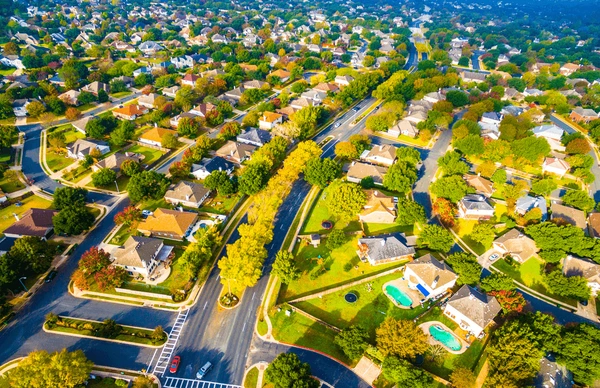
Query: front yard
x: 151, y: 155
x: 7, y: 214
x: 57, y: 158
x: 323, y: 269
x: 220, y: 204
x: 10, y: 182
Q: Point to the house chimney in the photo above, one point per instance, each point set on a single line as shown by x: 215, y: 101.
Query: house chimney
x: 187, y: 197
x: 16, y: 216
x: 435, y: 282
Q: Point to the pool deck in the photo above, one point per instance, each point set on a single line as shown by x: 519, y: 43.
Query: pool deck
x: 402, y: 285
x: 425, y: 327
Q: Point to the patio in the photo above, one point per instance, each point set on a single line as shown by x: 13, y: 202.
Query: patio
x: 401, y: 285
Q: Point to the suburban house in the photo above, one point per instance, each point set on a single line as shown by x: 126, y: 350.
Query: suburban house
x: 169, y: 224
x: 174, y: 121
x: 149, y: 47
x: 583, y: 115
x: 115, y: 160
x: 81, y: 123
x: 70, y: 97
x: 83, y: 147
x: 343, y: 80
x: 358, y: 171
x: 95, y: 88
x: 568, y: 214
x: 381, y: 250
x: 172, y: 91
x: 256, y: 84
x: 188, y: 194
x: 327, y: 87
x: 475, y: 207
x: 472, y: 310
x: 148, y: 100
x: 380, y: 208
x: 481, y: 185
x: 142, y: 255
x: 283, y: 75
x: 20, y: 107
x: 552, y: 134
x: 206, y: 166
x: 434, y: 97
x: 594, y: 225
x: 429, y: 276
x: 236, y: 152
x: 404, y: 127
x: 568, y: 68
x: 527, y: 203
x: 190, y: 80
x: 130, y: 112
x: 589, y: 270
x: 470, y: 76
x: 555, y: 166
x: 154, y: 136
x: 254, y: 136
x: 203, y: 109
x: 515, y: 244
x: 34, y: 222
x: 269, y: 120
x: 380, y: 154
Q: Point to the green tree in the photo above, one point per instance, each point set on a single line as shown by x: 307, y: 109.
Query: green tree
x: 93, y: 260
x: 435, y: 238
x: 452, y: 188
x: 130, y: 167
x: 104, y: 177
x: 497, y: 282
x: 335, y: 239
x: 532, y: 148
x: 513, y: 360
x: 466, y: 267
x: 499, y: 177
x: 543, y: 186
x: 408, y: 154
x: 346, y: 150
x: 402, y: 338
x: 287, y: 371
x: 58, y: 369
x: 188, y: 127
x: 410, y: 212
x: 147, y: 185
x: 452, y: 165
x: 57, y: 139
x: 400, y: 177
x: 457, y: 98
x: 470, y: 145
x: 8, y: 135
x: 254, y: 178
x: 353, y: 341
x: 345, y: 200
x: 122, y: 133
x: 102, y: 96
x: 405, y: 375
x: 220, y: 181
x: 285, y: 267
x: 483, y: 234
x: 575, y: 287
x: 68, y: 196
x: 462, y: 378
x: 578, y: 351
x: 320, y: 172
x: 579, y: 199
x: 34, y: 252
x: 73, y: 220
x: 35, y: 108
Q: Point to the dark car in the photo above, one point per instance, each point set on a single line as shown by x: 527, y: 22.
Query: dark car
x: 51, y: 276
x: 175, y: 364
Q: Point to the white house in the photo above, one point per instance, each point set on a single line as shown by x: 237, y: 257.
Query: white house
x: 206, y: 166
x: 270, y: 120
x: 574, y: 266
x: 552, y: 134
x: 20, y: 107
x: 555, y: 166
x: 380, y: 154
x: 475, y: 207
x: 142, y: 255
x: 472, y: 310
x: 429, y: 276
x: 149, y: 47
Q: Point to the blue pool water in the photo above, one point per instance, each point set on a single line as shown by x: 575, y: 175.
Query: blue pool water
x: 398, y: 295
x: 445, y: 337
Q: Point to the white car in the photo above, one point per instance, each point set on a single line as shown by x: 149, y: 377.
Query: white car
x: 336, y: 125
x: 146, y: 213
x: 494, y: 257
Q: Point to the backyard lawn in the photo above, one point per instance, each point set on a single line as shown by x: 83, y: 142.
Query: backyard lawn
x: 341, y: 265
x: 10, y: 183
x: 372, y: 229
x: 121, y: 236
x: 464, y: 228
x: 7, y: 217
x: 151, y: 155
x: 300, y: 330
x: 57, y: 159
x: 371, y: 308
x: 121, y: 94
x: 530, y: 274
x: 320, y: 213
x: 220, y: 204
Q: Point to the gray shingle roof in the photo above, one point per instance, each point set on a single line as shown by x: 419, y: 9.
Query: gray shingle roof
x: 384, y: 248
x: 479, y: 308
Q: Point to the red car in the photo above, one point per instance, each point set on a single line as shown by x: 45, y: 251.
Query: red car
x: 175, y: 364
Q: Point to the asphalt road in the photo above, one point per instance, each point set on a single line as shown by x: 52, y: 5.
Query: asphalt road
x: 224, y: 337
x: 32, y: 168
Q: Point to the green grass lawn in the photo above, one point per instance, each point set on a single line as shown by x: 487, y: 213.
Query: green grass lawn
x: 121, y: 94
x: 307, y: 260
x: 372, y: 229
x: 464, y: 228
x: 85, y: 107
x: 530, y: 274
x: 10, y: 183
x: 220, y: 204
x: 371, y: 308
x: 251, y: 378
x: 300, y: 330
x: 150, y: 154
x: 99, y: 382
x: 122, y: 181
x: 8, y: 71
x: 153, y: 204
x: 7, y: 217
x: 5, y: 155
x: 57, y: 160
x: 77, y: 174
x: 95, y: 211
x: 121, y: 236
x: 320, y: 213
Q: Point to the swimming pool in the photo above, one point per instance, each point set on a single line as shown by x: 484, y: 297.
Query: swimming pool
x: 400, y: 297
x: 445, y: 337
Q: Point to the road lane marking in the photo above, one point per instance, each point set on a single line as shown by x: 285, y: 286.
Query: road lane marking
x: 177, y: 382
x: 167, y: 351
x: 205, y: 304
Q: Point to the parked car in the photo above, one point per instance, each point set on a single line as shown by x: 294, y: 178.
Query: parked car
x: 494, y: 256
x: 51, y: 276
x: 336, y: 125
x: 204, y: 370
x: 146, y: 213
x: 175, y: 364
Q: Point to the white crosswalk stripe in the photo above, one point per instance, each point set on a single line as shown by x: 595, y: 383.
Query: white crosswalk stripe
x: 167, y: 351
x: 176, y: 382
